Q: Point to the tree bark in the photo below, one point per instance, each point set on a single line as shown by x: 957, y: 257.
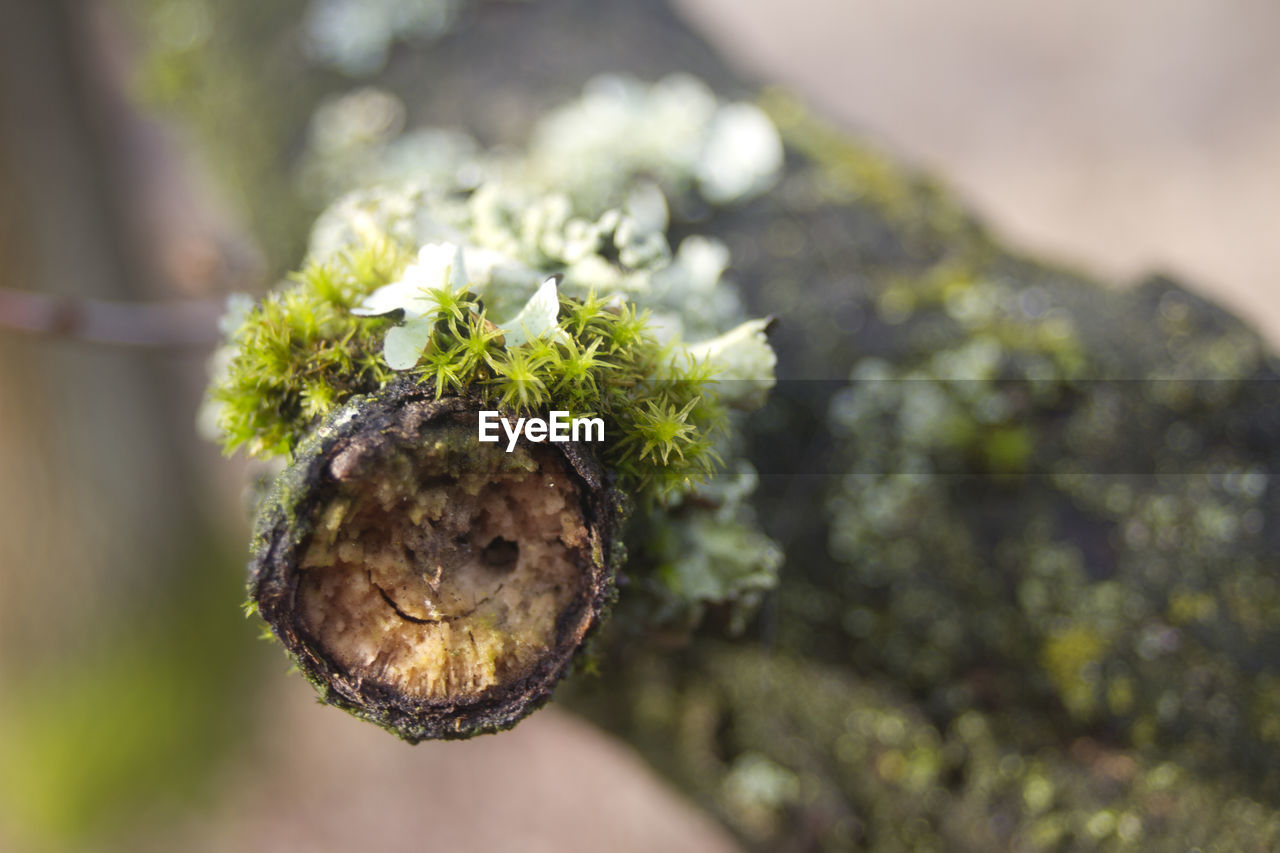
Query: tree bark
x: 1035, y: 615
x: 395, y: 482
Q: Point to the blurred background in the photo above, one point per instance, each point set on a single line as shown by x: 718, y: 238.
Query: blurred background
x: 1119, y: 138
x: 1122, y: 138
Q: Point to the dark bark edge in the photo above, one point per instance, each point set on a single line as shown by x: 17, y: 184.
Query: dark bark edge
x: 285, y: 521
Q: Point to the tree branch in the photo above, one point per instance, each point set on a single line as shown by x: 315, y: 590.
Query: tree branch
x: 179, y: 324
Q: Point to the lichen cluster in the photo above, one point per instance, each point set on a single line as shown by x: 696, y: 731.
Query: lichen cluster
x: 1011, y: 502
x: 782, y: 748
x: 590, y: 197
x: 439, y: 268
x: 612, y: 146
x: 355, y: 37
x: 1044, y: 509
x: 1033, y: 606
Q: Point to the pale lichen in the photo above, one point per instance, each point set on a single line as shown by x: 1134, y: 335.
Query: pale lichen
x: 355, y: 36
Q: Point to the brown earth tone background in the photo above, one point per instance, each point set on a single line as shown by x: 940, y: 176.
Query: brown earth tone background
x: 1120, y: 138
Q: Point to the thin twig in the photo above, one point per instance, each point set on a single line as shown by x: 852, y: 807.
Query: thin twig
x: 179, y: 324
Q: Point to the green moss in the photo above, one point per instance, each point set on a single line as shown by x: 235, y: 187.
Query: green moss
x: 301, y: 352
